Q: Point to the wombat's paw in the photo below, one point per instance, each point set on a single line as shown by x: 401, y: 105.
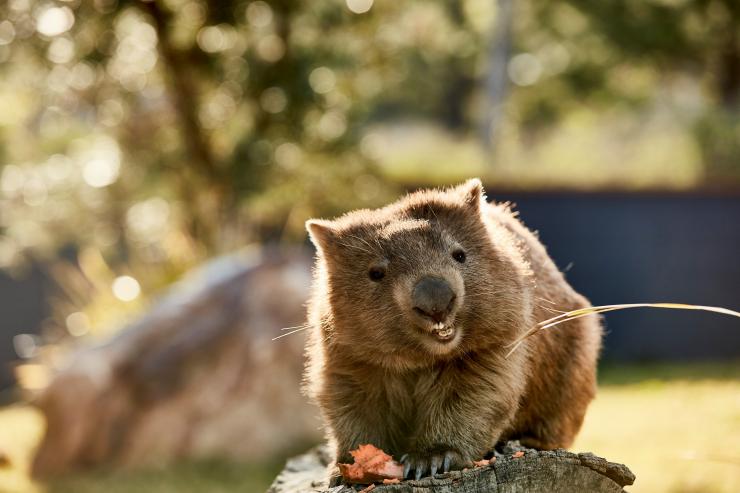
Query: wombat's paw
x: 418, y: 464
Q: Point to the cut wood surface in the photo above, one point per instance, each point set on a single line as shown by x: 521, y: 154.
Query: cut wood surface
x: 534, y: 471
x: 198, y: 375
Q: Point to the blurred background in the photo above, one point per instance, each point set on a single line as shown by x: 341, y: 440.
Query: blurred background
x: 158, y: 160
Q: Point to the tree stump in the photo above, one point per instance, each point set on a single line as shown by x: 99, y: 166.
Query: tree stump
x: 198, y: 375
x: 536, y: 470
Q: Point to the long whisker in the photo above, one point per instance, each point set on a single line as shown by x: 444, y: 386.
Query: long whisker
x: 294, y: 327
x: 289, y: 333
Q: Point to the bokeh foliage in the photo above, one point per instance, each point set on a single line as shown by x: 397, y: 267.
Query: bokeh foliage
x: 139, y: 138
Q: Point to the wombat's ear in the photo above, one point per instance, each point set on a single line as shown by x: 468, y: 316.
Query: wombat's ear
x: 472, y: 192
x: 322, y: 233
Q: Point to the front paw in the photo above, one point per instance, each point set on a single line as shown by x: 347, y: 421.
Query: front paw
x: 438, y: 460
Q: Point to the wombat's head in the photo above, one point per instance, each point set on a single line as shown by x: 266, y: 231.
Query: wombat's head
x: 423, y: 279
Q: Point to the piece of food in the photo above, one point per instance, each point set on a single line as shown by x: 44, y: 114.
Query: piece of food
x: 481, y: 463
x: 391, y: 481
x: 368, y: 489
x: 371, y: 465
x: 518, y: 454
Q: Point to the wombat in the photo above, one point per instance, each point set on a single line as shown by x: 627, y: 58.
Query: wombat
x: 413, y: 307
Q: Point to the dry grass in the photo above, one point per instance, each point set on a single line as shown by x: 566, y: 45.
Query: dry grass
x: 676, y: 426
x: 593, y: 310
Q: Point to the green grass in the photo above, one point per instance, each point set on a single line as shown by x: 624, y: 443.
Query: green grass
x: 21, y: 428
x: 587, y: 150
x: 676, y: 426
x: 205, y: 476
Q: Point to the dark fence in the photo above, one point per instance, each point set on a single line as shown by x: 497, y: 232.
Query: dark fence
x: 626, y: 248
x: 23, y: 306
x: 616, y: 248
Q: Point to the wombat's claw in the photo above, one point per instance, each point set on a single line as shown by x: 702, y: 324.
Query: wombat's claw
x: 435, y: 462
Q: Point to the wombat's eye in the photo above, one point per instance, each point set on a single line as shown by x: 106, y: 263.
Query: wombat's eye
x: 376, y: 273
x: 459, y: 255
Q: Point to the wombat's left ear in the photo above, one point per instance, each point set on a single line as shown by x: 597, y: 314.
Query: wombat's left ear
x: 322, y: 233
x: 472, y: 192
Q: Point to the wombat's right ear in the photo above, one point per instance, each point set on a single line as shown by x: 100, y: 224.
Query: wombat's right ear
x: 322, y: 233
x: 472, y: 192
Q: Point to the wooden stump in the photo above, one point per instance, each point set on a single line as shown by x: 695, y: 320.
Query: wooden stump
x: 535, y: 471
x: 198, y: 375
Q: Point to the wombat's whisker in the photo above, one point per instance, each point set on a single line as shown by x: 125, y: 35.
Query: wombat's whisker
x: 365, y: 242
x: 289, y: 333
x: 362, y: 240
x: 295, y: 327
x: 593, y: 310
x: 356, y: 247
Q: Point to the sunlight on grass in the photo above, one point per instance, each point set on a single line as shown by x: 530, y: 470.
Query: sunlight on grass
x: 680, y: 433
x: 676, y: 426
x: 20, y: 430
x: 587, y: 150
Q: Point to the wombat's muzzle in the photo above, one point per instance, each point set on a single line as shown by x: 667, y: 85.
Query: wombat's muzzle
x: 433, y: 298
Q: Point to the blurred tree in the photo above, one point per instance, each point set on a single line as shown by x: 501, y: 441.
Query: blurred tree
x: 618, y: 52
x: 153, y: 134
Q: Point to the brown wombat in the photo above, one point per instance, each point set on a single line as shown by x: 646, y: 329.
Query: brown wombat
x: 412, y: 309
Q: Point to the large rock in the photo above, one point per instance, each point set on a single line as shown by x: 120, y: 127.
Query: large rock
x: 198, y: 375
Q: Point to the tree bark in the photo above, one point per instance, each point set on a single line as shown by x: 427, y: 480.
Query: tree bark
x: 209, y: 203
x: 550, y: 471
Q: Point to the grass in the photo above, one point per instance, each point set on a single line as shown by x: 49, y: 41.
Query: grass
x: 676, y: 426
x: 20, y: 431
x: 587, y: 150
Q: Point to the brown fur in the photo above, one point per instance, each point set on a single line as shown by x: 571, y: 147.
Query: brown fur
x: 380, y: 377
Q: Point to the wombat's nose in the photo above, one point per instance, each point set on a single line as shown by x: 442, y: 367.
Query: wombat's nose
x: 433, y: 297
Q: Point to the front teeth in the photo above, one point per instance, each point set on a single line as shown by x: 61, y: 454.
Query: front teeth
x: 441, y: 331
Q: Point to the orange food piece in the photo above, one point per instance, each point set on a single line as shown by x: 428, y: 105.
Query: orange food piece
x: 518, y: 454
x: 391, y: 481
x: 481, y: 463
x: 371, y: 464
x: 368, y: 489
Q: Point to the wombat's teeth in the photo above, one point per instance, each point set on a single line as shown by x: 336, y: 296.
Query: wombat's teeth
x: 443, y: 332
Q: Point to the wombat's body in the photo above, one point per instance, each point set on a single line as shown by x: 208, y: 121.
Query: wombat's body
x: 413, y: 308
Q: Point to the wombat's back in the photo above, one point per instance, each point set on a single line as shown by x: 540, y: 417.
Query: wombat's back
x: 562, y: 374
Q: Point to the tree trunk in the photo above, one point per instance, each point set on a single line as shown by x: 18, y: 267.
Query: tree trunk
x: 497, y: 78
x: 198, y: 375
x: 550, y: 471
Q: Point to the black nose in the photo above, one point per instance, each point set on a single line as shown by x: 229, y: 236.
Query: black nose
x: 433, y: 297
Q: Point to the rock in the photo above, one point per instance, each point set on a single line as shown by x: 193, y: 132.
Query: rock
x: 197, y: 376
